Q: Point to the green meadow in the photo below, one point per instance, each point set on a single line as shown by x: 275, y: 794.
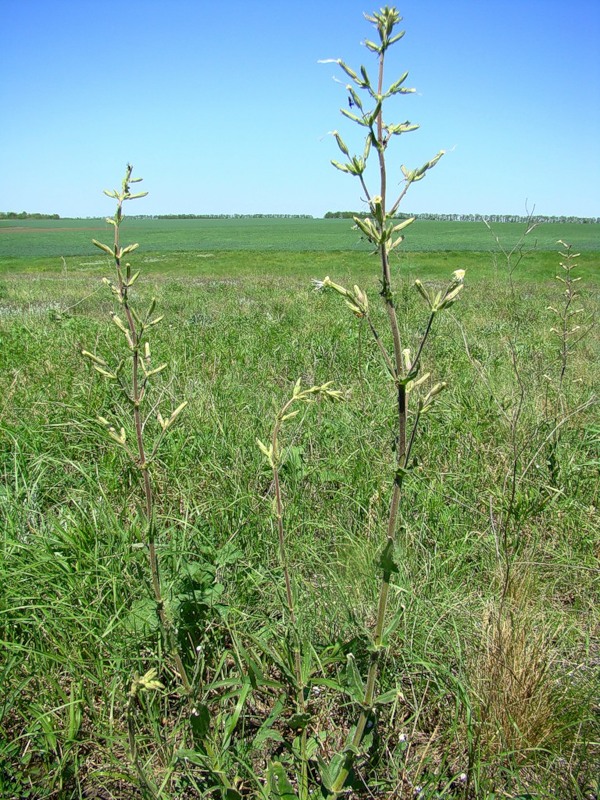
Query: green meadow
x: 492, y: 665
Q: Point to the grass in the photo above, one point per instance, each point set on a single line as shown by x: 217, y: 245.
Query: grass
x: 241, y: 327
x: 70, y: 237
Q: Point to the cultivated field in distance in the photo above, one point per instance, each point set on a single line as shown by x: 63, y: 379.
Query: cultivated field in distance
x: 67, y: 237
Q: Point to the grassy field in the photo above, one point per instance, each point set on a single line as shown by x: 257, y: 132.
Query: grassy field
x: 68, y: 237
x: 494, y: 663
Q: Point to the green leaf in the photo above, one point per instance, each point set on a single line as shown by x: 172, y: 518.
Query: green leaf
x: 199, y: 722
x: 299, y: 721
x: 393, y: 623
x: 142, y: 619
x: 387, y: 562
x: 329, y: 772
x: 265, y: 731
x: 280, y: 787
x: 199, y: 759
x: 232, y: 719
x: 353, y: 680
x: 306, y: 666
x: 329, y: 682
x: 386, y: 697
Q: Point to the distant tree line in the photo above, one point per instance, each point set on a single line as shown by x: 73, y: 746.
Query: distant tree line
x: 26, y: 215
x: 221, y: 216
x: 538, y: 218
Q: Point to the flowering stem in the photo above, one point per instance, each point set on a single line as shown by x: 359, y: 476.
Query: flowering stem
x: 136, y: 397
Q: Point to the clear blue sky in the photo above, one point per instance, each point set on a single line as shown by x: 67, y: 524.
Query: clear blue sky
x: 223, y: 108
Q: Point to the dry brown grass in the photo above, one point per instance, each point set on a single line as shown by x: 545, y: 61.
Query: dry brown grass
x: 512, y: 675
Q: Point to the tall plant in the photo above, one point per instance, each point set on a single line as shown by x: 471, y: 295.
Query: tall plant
x: 132, y: 374
x: 367, y: 100
x: 273, y: 454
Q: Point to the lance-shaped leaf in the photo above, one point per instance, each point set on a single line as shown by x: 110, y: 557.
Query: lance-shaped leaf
x: 388, y: 697
x: 354, y: 682
x: 387, y: 562
x: 278, y: 782
x: 329, y: 772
